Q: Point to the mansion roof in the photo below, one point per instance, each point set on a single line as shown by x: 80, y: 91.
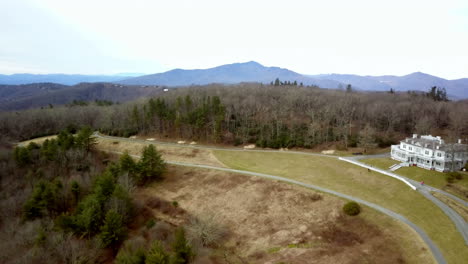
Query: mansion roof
x: 435, y: 143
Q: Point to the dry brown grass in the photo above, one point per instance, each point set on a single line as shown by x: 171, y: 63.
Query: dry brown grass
x: 169, y: 153
x: 39, y: 140
x: 270, y: 222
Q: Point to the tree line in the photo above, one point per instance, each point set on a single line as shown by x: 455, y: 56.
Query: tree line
x: 267, y: 115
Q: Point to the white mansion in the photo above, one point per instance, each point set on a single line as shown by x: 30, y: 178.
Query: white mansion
x: 431, y: 153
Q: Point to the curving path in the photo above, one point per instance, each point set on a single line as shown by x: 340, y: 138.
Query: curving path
x: 425, y: 190
x: 434, y: 249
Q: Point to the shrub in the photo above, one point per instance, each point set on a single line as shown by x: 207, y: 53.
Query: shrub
x: 131, y: 254
x: 183, y: 253
x: 351, y: 208
x: 157, y: 255
x: 449, y: 179
x: 150, y: 223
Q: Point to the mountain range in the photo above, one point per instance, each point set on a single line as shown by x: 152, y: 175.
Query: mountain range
x: 255, y: 72
x: 20, y: 91
x: 65, y: 79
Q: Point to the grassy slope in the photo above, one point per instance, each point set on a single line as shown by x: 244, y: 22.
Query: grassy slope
x: 347, y: 178
x: 432, y: 178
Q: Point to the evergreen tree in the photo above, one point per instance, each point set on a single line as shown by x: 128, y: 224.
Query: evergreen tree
x: 277, y: 82
x: 127, y: 164
x: 65, y: 140
x: 183, y: 253
x: 85, y: 139
x: 22, y: 156
x: 156, y: 254
x: 349, y: 88
x: 128, y: 255
x: 151, y: 165
x: 113, y: 231
x: 46, y: 198
x: 89, y: 216
x: 75, y: 190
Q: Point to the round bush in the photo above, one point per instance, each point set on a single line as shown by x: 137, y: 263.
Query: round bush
x: 351, y: 208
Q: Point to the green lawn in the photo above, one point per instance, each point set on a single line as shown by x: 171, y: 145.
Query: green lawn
x: 432, y: 178
x: 353, y: 180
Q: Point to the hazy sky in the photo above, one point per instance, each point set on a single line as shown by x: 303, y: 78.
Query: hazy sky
x: 112, y: 36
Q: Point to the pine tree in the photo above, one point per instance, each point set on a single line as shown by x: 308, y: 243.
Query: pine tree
x: 183, y: 253
x: 127, y: 164
x: 75, y: 190
x: 85, y: 139
x: 113, y: 231
x: 151, y: 165
x: 277, y: 82
x: 156, y: 254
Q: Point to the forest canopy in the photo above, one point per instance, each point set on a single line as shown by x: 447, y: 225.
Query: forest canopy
x: 269, y: 116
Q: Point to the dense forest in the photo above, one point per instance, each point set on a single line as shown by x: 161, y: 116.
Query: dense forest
x: 269, y: 116
x: 64, y: 202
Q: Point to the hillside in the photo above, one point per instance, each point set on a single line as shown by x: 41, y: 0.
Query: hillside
x: 65, y: 79
x: 17, y: 97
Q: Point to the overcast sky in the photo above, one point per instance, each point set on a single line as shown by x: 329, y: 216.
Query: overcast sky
x: 112, y: 36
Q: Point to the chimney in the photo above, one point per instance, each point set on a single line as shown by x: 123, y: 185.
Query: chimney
x: 415, y: 135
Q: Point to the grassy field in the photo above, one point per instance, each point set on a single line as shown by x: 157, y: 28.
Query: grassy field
x: 432, y: 178
x: 353, y: 180
x: 268, y: 219
x: 459, y: 208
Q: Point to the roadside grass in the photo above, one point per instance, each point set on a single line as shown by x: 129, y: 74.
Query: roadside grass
x: 432, y: 178
x: 356, y: 181
x: 459, y: 208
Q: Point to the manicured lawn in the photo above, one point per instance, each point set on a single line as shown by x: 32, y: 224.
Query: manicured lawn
x: 381, y: 163
x: 432, y: 178
x: 353, y: 180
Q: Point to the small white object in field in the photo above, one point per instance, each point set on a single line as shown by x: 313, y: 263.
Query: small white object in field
x: 193, y: 143
x: 166, y: 90
x: 150, y: 139
x: 133, y: 137
x: 252, y: 146
x: 328, y: 152
x: 181, y: 142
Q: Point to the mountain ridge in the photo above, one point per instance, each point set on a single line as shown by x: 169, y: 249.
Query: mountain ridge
x: 253, y: 71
